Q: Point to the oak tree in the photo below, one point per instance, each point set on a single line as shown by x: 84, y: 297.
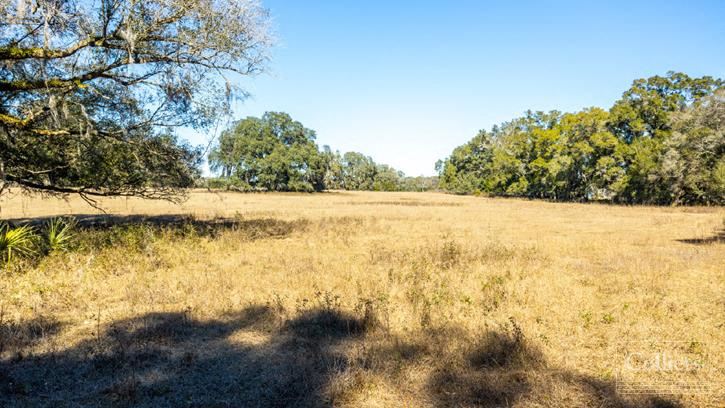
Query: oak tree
x: 92, y: 92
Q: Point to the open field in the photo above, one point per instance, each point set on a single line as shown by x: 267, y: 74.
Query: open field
x: 367, y: 299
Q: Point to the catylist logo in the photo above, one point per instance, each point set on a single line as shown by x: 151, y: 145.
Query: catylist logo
x: 665, y: 367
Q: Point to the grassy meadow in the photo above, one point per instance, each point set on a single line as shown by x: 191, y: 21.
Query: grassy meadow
x: 363, y: 299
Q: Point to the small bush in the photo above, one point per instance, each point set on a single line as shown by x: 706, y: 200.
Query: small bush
x: 494, y: 292
x: 450, y: 254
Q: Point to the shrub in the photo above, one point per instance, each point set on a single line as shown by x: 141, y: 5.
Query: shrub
x: 59, y: 234
x: 19, y: 240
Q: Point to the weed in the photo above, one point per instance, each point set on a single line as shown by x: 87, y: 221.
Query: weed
x: 493, y: 291
x: 450, y: 254
x: 587, y: 317
x: 425, y: 314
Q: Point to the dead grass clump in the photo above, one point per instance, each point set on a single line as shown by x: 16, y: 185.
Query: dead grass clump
x: 344, y: 222
x: 341, y: 229
x: 449, y: 254
x: 493, y: 292
x: 494, y: 252
x: 268, y: 228
x: 381, y: 253
x: 506, y: 348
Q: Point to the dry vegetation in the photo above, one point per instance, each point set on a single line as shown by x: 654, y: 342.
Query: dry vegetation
x: 363, y: 299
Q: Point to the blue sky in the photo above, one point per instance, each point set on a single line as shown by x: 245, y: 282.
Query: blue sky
x: 407, y: 81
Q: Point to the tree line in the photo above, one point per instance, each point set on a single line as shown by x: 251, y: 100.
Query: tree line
x: 662, y: 142
x: 277, y: 153
x: 91, y: 95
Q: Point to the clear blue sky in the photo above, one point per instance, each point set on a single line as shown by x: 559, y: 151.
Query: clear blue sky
x: 407, y: 81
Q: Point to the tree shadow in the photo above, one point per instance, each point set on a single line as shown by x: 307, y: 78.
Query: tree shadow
x: 171, y: 359
x: 257, y: 358
x: 501, y: 369
x: 504, y: 369
x: 21, y: 335
x: 257, y: 227
x: 718, y: 237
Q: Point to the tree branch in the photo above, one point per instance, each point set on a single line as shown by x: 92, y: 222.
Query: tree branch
x: 15, y: 53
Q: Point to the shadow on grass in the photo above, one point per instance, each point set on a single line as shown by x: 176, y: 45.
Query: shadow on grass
x: 170, y: 359
x: 256, y: 358
x: 718, y: 237
x: 17, y: 336
x: 504, y: 369
x: 266, y: 227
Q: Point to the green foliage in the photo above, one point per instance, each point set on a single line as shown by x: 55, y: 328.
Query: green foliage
x: 419, y: 183
x: 16, y: 241
x: 355, y: 171
x: 90, y: 102
x: 272, y: 153
x: 59, y: 234
x: 645, y: 108
x: 663, y: 142
x: 691, y: 163
x: 147, y: 164
x: 359, y: 171
x: 224, y: 183
x: 276, y: 153
x: 24, y: 241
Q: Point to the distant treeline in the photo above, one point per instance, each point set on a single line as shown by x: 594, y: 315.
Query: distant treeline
x: 277, y: 153
x: 663, y: 142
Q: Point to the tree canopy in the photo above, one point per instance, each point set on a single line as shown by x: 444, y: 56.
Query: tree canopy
x: 91, y: 92
x: 663, y: 142
x: 277, y: 153
x: 356, y: 171
x: 273, y: 153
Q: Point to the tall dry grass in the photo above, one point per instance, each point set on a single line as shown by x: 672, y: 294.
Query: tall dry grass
x: 365, y: 299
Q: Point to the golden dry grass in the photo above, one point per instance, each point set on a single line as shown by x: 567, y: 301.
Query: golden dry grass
x: 366, y: 299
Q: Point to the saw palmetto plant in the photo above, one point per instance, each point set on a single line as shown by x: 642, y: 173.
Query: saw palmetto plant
x: 16, y: 241
x: 59, y: 233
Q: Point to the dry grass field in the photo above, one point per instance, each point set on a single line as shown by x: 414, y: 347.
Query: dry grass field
x: 366, y: 300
